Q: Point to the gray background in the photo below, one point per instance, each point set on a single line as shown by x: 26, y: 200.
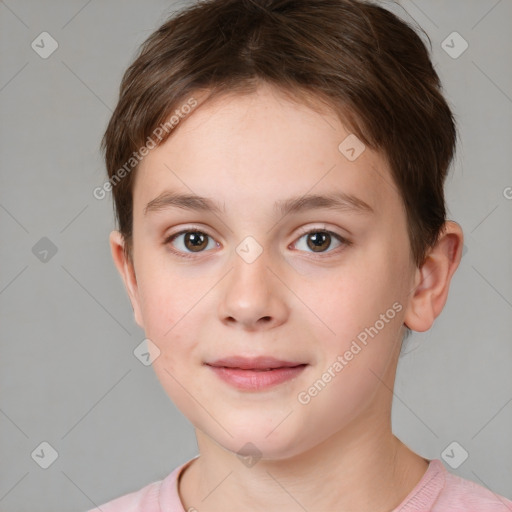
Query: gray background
x: 68, y: 373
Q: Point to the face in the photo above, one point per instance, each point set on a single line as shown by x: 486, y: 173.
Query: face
x: 245, y: 280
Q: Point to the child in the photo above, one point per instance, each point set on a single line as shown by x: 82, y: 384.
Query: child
x: 277, y: 168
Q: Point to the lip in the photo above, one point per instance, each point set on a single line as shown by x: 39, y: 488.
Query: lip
x: 254, y: 374
x: 254, y: 363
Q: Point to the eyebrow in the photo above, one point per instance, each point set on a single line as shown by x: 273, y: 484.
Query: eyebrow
x: 339, y: 201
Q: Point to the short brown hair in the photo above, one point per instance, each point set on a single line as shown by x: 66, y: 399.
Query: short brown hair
x: 357, y: 58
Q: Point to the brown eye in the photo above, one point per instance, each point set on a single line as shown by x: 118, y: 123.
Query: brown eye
x: 320, y: 240
x: 195, y: 241
x: 188, y: 241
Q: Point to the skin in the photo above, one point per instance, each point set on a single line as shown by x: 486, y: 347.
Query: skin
x: 292, y: 303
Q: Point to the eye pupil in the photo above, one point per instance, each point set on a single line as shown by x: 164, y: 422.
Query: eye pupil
x: 197, y: 239
x: 318, y: 239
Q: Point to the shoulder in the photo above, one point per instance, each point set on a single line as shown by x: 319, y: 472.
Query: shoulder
x: 154, y: 497
x: 441, y: 491
x: 145, y: 499
x: 461, y: 494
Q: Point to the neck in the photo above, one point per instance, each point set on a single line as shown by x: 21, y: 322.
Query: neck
x: 355, y: 469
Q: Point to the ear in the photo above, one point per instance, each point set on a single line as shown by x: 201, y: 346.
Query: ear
x: 432, y: 279
x: 126, y: 269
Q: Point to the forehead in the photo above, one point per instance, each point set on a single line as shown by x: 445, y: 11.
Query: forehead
x: 261, y: 147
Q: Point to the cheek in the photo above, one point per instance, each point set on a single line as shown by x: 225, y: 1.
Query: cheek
x: 345, y: 397
x: 164, y: 302
x: 170, y: 307
x: 361, y: 315
x: 175, y: 335
x: 348, y: 302
x: 355, y: 369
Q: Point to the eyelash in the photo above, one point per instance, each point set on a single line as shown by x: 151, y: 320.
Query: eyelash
x: 192, y: 229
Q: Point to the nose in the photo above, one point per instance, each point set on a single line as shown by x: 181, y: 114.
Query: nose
x: 253, y: 297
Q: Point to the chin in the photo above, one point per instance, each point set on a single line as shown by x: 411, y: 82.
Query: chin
x: 256, y: 443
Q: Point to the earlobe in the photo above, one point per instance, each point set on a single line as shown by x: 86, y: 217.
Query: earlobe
x: 126, y: 269
x: 432, y: 280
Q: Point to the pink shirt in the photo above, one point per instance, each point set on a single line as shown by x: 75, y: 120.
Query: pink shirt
x: 437, y: 491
